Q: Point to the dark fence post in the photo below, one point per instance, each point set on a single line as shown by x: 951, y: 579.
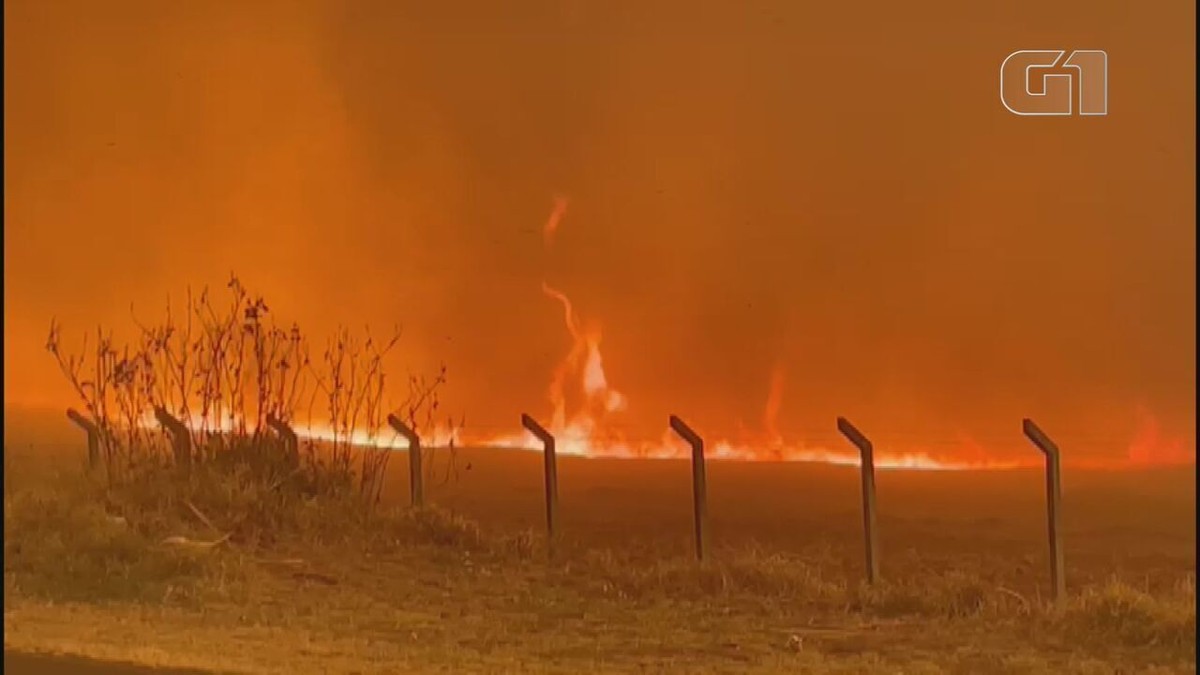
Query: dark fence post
x: 290, y: 441
x: 415, y: 478
x: 867, y: 454
x: 699, y: 482
x: 550, y: 455
x: 1053, y: 503
x: 181, y: 438
x: 93, y: 435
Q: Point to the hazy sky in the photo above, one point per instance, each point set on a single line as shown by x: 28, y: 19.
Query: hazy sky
x: 829, y: 188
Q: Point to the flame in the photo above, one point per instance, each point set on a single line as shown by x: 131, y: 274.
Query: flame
x: 1150, y: 447
x: 583, y: 431
x: 584, y: 362
x: 771, y: 411
x: 384, y: 439
x: 560, y: 209
x: 583, y: 402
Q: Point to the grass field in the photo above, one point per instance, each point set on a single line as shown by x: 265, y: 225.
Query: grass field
x: 467, y: 587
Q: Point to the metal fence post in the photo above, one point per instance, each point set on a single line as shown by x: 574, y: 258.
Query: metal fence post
x: 549, y: 453
x: 181, y: 438
x: 699, y: 483
x: 93, y: 435
x: 867, y: 454
x: 1053, y: 503
x: 416, y: 481
x: 290, y: 441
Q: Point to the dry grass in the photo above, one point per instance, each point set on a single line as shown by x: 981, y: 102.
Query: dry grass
x: 230, y: 549
x: 336, y: 588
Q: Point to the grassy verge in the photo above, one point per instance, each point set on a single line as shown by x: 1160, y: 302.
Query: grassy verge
x: 320, y: 584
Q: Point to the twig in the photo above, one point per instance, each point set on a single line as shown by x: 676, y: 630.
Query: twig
x: 203, y: 518
x: 193, y: 544
x: 1014, y: 594
x: 285, y: 478
x: 315, y: 576
x: 291, y: 562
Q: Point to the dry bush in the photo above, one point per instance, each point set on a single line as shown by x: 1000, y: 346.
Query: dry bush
x: 215, y: 391
x: 62, y: 543
x: 638, y: 576
x: 1116, y: 613
x: 195, y: 422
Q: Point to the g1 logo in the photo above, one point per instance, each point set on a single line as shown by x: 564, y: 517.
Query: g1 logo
x: 1040, y: 82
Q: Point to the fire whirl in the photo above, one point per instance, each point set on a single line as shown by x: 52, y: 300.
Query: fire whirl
x: 585, y: 409
x: 584, y: 431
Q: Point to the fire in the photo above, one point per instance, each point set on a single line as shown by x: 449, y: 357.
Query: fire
x: 584, y: 363
x: 1151, y: 448
x: 384, y: 439
x: 560, y: 209
x: 774, y: 403
x: 582, y: 430
x: 583, y: 402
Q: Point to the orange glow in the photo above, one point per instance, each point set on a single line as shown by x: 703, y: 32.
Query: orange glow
x: 585, y: 412
x: 774, y: 402
x: 586, y: 408
x: 755, y: 240
x: 1151, y: 447
x: 583, y: 431
x: 560, y: 209
x: 583, y: 362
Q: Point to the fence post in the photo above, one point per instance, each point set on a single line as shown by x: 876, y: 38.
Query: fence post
x: 1053, y: 503
x: 415, y: 478
x: 549, y: 453
x: 867, y: 454
x: 290, y: 441
x: 93, y: 435
x: 699, y: 483
x: 181, y: 439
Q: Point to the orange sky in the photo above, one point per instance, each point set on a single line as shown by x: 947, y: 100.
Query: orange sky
x: 832, y: 189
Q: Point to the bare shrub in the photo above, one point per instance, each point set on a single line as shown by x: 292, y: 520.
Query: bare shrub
x: 220, y: 385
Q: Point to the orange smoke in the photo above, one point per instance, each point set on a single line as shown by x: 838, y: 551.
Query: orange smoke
x: 560, y: 209
x: 585, y: 409
x: 1151, y: 448
x: 583, y: 403
x: 774, y: 403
